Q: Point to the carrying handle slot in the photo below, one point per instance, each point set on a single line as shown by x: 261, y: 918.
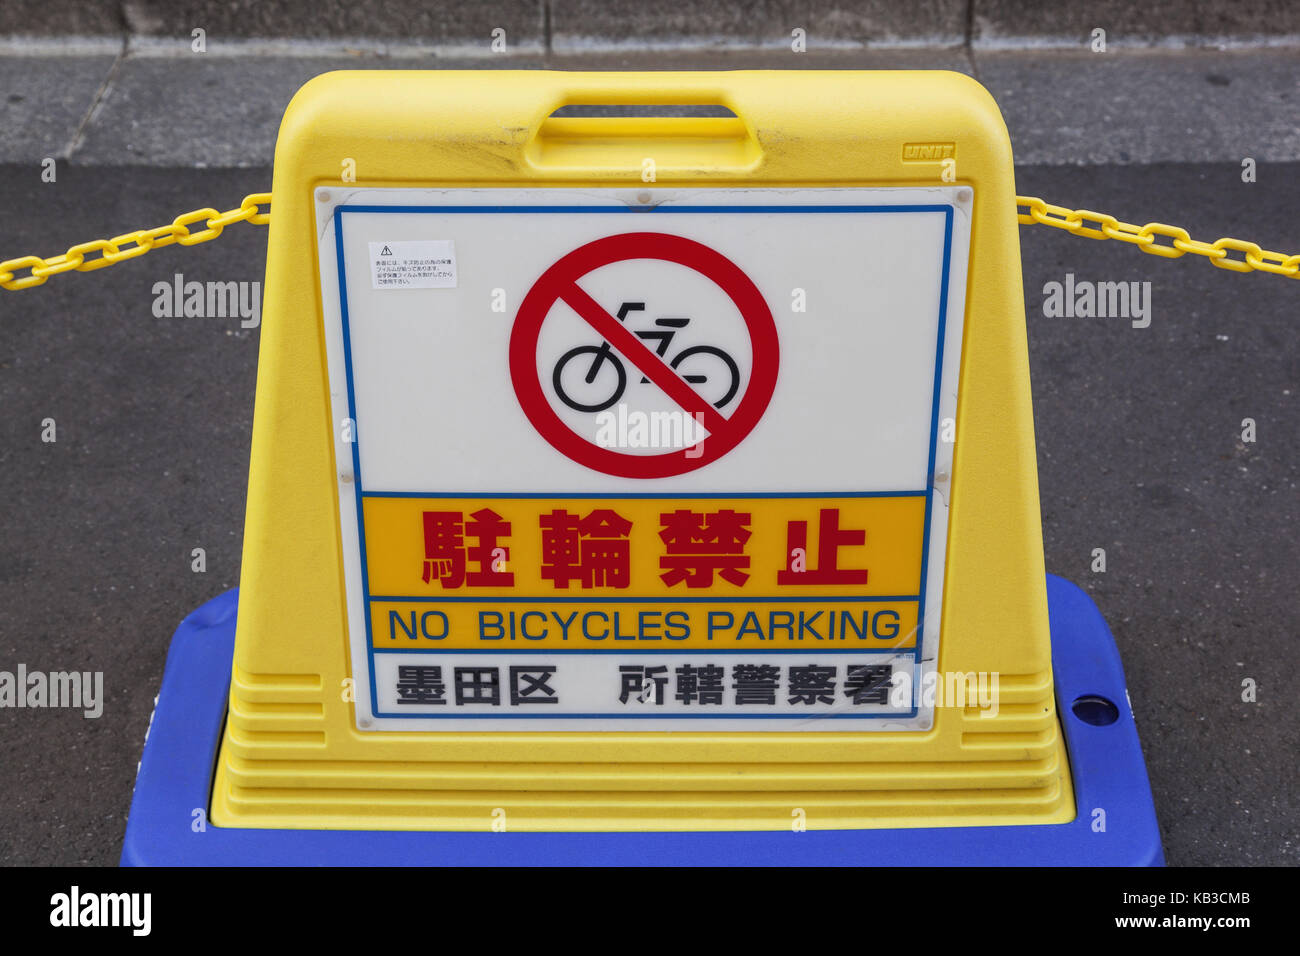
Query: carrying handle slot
x: 625, y: 122
x: 648, y: 110
x: 659, y: 89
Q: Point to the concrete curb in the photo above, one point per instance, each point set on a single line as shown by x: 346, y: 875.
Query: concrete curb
x: 584, y: 26
x: 124, y: 103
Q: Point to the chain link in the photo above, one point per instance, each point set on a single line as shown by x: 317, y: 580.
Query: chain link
x: 83, y: 258
x: 1031, y: 210
x: 99, y: 253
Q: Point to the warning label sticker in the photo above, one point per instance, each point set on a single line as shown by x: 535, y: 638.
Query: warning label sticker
x: 422, y: 264
x: 679, y: 467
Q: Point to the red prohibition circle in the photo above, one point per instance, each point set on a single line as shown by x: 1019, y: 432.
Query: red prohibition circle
x: 560, y: 283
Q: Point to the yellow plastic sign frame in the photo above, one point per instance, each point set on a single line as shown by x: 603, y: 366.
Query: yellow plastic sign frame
x: 291, y: 755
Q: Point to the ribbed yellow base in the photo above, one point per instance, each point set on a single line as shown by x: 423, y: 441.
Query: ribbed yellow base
x: 281, y: 766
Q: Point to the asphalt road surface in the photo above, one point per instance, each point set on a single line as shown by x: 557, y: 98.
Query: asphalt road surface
x: 1139, y: 453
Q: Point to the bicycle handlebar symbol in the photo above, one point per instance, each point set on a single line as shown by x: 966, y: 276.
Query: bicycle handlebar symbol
x: 662, y: 334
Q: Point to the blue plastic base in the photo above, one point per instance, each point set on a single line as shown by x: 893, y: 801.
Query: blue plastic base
x: 174, y: 784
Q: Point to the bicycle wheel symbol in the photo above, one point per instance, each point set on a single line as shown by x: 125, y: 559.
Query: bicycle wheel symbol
x: 587, y: 383
x: 581, y: 386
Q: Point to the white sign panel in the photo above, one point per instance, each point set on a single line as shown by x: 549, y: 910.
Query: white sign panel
x: 643, y: 459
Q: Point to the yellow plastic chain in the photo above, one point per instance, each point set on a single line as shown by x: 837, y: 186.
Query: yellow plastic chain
x: 81, y: 258
x: 1079, y: 222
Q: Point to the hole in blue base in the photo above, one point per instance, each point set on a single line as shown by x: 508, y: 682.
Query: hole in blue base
x: 1094, y: 710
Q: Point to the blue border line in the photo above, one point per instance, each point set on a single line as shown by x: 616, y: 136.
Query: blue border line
x: 792, y: 715
x: 488, y: 599
x: 729, y: 651
x: 652, y: 210
x: 356, y: 463
x: 934, y: 429
x: 360, y: 492
x: 664, y: 495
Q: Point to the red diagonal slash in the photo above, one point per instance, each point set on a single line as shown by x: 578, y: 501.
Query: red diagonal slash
x: 647, y: 362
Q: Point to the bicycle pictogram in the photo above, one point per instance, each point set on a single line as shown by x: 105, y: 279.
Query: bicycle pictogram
x: 700, y: 365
